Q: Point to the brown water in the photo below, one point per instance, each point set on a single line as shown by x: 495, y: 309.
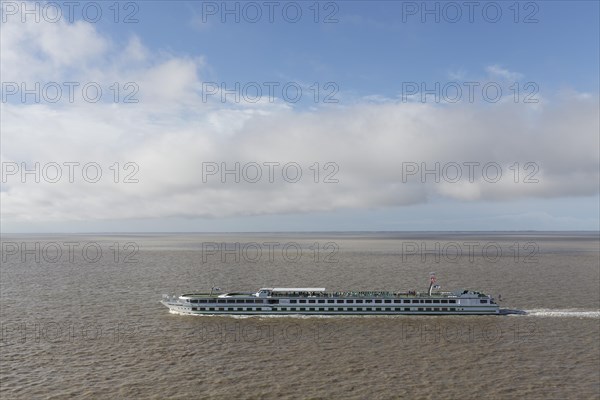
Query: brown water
x: 83, y: 324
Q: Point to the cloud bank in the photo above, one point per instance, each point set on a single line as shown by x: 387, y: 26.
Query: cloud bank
x: 366, y: 152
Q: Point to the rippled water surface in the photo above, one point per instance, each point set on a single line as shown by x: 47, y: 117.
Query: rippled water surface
x: 81, y: 317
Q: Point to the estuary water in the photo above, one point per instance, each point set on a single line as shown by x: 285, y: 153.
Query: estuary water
x: 80, y: 317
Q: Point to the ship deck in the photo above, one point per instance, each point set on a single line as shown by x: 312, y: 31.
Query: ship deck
x: 383, y: 295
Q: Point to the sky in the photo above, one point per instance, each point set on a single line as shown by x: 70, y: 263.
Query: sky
x: 202, y: 116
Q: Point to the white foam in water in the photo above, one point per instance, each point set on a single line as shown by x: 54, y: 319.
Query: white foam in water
x: 565, y: 313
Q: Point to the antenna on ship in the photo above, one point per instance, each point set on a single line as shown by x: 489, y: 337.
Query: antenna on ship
x: 431, y: 282
x: 214, y: 288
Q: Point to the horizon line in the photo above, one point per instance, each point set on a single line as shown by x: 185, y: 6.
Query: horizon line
x: 306, y: 231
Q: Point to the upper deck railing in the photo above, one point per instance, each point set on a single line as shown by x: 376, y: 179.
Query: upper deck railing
x: 352, y: 294
x: 360, y: 294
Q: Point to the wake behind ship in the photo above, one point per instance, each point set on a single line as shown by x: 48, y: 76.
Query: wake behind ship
x: 318, y: 301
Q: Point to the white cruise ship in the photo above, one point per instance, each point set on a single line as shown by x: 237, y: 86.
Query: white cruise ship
x: 318, y: 301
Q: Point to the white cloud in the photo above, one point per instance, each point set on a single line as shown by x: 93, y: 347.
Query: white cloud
x: 171, y: 132
x: 45, y: 51
x: 498, y: 71
x: 135, y: 50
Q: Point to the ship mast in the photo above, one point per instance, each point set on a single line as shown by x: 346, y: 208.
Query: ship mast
x: 431, y: 282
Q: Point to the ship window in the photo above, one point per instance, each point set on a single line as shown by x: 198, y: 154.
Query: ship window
x: 359, y: 309
x: 359, y: 301
x: 388, y: 309
x: 239, y: 301
x: 406, y: 301
x: 369, y: 309
x: 331, y: 301
x: 416, y: 301
x: 221, y: 308
x: 231, y: 301
x: 301, y: 301
x: 283, y: 308
x: 397, y: 301
x: 202, y: 309
x: 452, y: 309
x: 406, y: 309
x: 259, y: 301
x: 194, y: 309
x: 340, y: 301
x: 378, y: 309
x: 221, y: 301
x: 211, y: 309
x: 436, y: 309
x: 387, y: 301
x: 377, y: 301
x: 193, y: 301
x: 420, y: 308
x: 293, y: 301
x: 321, y: 309
x: 349, y: 301
x: 248, y: 308
x: 340, y: 309
x: 249, y: 301
x: 428, y: 309
x: 240, y: 308
x: 427, y: 301
x: 444, y: 301
x: 321, y: 301
x: 302, y: 309
x: 368, y: 301
x: 444, y: 308
x: 311, y: 309
x: 483, y: 301
x: 311, y: 301
x: 452, y: 301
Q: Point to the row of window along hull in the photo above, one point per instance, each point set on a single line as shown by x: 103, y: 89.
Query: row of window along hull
x: 347, y: 301
x: 330, y: 309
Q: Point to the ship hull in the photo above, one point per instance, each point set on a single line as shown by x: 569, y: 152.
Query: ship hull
x: 185, y: 309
